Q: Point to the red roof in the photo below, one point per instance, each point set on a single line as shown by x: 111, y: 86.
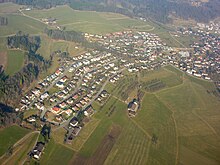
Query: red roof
x: 56, y: 109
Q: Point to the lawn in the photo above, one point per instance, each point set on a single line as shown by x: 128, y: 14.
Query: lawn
x: 169, y: 77
x: 10, y: 136
x: 15, y: 61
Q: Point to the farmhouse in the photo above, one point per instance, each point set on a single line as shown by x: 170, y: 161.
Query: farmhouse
x: 38, y: 149
x: 132, y: 108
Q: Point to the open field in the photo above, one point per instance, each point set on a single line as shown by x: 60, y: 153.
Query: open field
x: 9, y: 7
x: 88, y: 21
x: 55, y: 153
x: 19, y: 155
x: 9, y: 136
x: 183, y: 116
x: 18, y: 22
x: 3, y: 57
x: 15, y: 61
x: 49, y: 45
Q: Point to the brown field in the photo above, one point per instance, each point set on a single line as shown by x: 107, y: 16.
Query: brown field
x: 3, y: 59
x: 103, y: 150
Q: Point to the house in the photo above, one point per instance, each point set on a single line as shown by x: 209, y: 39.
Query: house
x: 55, y: 110
x: 60, y: 84
x: 132, y: 108
x: 38, y: 149
x: 64, y: 79
x: 89, y: 111
x: 44, y: 96
x: 74, y: 122
x: 63, y: 105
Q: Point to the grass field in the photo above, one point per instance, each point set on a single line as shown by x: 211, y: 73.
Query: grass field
x: 15, y: 61
x: 88, y: 21
x: 18, y: 22
x: 49, y: 45
x: 183, y: 116
x: 20, y: 153
x: 9, y: 136
x: 9, y: 7
x: 56, y: 154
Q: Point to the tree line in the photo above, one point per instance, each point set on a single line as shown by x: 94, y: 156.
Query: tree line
x: 3, y: 21
x: 73, y: 36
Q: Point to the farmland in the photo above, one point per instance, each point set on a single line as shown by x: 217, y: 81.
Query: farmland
x: 183, y: 117
x: 9, y: 136
x: 19, y: 154
x: 177, y: 122
x: 95, y: 22
x: 56, y: 154
x: 83, y: 21
x: 15, y: 61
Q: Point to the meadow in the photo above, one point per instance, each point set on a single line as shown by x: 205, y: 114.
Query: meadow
x: 9, y: 136
x: 183, y: 117
x: 88, y: 21
x: 15, y: 61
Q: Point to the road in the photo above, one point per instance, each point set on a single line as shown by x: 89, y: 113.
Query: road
x: 66, y: 123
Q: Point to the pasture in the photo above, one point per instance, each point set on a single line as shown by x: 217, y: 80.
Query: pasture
x: 56, y: 154
x: 18, y: 22
x: 88, y: 21
x: 183, y: 117
x: 9, y: 136
x: 19, y: 155
x: 15, y: 61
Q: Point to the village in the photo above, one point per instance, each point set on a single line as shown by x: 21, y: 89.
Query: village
x: 65, y: 97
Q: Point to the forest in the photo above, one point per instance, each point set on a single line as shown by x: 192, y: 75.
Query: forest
x: 11, y: 86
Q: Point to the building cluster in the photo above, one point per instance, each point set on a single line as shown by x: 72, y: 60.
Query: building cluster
x: 137, y: 50
x: 212, y: 27
x: 63, y: 96
x: 203, y: 60
x: 76, y: 85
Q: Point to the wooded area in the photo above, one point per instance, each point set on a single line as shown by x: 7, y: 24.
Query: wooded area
x: 11, y: 86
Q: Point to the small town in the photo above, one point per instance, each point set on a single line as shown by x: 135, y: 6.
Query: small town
x: 64, y: 97
x: 105, y: 82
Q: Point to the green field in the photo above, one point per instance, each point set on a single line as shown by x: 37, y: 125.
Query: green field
x: 17, y: 22
x: 19, y: 155
x: 88, y: 21
x: 183, y: 116
x: 10, y: 136
x: 9, y: 7
x: 15, y: 61
x: 56, y: 154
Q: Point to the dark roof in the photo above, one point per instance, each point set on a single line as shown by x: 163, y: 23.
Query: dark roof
x: 39, y: 146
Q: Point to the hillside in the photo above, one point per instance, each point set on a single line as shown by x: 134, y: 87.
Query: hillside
x: 159, y: 10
